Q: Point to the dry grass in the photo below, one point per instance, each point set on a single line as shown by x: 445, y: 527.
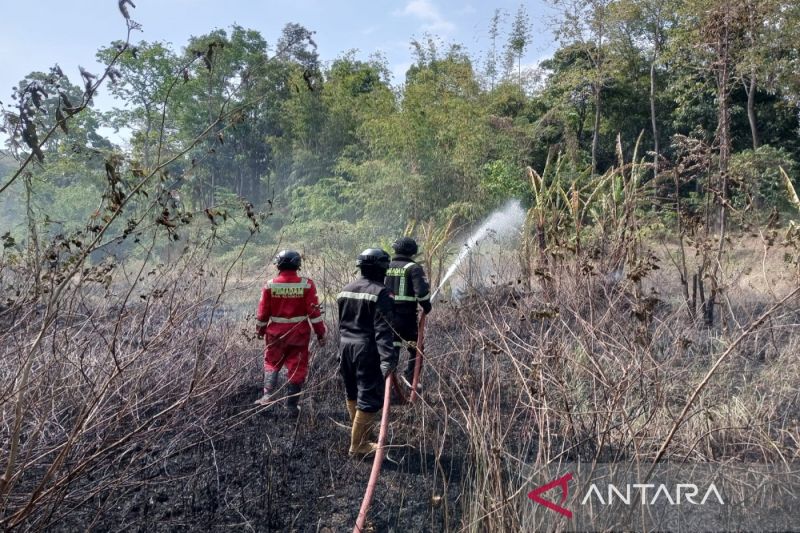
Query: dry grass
x: 601, y: 374
x: 582, y: 370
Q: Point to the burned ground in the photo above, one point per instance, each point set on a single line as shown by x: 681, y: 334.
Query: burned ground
x: 268, y: 472
x: 228, y: 464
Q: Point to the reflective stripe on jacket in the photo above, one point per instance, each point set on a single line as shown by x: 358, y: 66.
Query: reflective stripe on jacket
x: 406, y: 279
x: 365, y: 317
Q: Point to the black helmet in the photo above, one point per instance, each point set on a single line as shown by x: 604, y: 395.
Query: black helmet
x: 373, y: 257
x: 405, y: 246
x: 287, y: 260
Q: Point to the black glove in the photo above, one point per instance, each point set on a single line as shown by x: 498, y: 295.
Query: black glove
x: 387, y: 368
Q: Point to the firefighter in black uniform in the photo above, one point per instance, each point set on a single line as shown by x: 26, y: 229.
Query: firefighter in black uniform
x: 406, y: 279
x: 367, y: 354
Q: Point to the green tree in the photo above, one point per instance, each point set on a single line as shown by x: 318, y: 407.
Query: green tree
x: 491, y: 69
x: 146, y: 73
x: 61, y: 185
x: 439, y: 135
x: 355, y: 91
x: 586, y: 23
x: 567, y: 95
x: 646, y: 24
x: 519, y: 38
x: 230, y: 70
x: 771, y: 31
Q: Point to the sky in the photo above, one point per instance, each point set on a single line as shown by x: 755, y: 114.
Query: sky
x: 37, y: 34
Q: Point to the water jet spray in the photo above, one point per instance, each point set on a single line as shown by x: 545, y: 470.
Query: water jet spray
x: 501, y: 223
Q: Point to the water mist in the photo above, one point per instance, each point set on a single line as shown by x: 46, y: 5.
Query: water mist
x: 502, y: 223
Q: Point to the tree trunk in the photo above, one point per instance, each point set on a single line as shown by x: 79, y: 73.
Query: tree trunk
x: 596, y: 133
x: 724, y: 132
x: 581, y: 122
x: 751, y: 109
x: 724, y: 118
x: 653, y: 121
x: 33, y: 234
x: 148, y: 128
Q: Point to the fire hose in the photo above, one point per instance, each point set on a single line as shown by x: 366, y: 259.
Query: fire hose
x: 376, y: 464
x: 391, y: 383
x: 418, y: 360
x: 420, y: 348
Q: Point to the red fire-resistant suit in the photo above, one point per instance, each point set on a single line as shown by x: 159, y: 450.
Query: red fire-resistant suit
x: 288, y: 304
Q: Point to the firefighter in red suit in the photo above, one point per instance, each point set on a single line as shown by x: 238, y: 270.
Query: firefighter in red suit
x: 287, y: 312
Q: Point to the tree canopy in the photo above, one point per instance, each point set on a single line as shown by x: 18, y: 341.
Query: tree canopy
x: 336, y: 145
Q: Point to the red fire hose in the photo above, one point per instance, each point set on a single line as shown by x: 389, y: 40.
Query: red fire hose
x: 391, y: 382
x: 418, y: 361
x: 401, y: 398
x: 376, y: 464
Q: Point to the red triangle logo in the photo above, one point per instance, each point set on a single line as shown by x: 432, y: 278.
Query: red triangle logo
x: 562, y: 482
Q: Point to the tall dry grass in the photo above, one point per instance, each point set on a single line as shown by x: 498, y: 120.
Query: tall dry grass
x: 598, y: 375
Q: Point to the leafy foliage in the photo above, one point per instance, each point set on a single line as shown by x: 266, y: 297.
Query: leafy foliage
x: 337, y: 142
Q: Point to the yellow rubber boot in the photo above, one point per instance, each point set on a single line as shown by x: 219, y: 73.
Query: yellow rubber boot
x: 360, y: 434
x: 351, y: 410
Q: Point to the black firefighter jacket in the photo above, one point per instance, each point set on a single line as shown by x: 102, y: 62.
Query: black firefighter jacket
x: 365, y: 316
x: 406, y: 279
